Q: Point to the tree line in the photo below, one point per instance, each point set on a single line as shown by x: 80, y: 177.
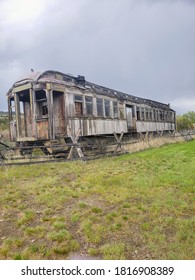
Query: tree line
x: 186, y: 121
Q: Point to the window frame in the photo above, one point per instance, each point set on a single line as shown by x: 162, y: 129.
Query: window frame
x: 78, y: 102
x: 100, y: 106
x: 89, y: 104
x: 115, y: 109
x: 107, y: 108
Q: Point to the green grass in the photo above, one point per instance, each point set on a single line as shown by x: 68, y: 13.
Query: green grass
x: 136, y: 206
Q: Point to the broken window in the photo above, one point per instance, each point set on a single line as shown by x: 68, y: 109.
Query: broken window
x: 89, y: 105
x: 107, y: 107
x: 115, y: 109
x: 78, y: 101
x: 41, y: 99
x: 99, y: 107
x: 138, y: 113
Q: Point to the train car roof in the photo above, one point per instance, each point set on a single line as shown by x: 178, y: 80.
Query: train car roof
x: 56, y: 77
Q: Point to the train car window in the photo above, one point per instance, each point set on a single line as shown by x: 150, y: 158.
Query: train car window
x: 107, y: 107
x: 78, y: 101
x: 89, y: 105
x: 115, y: 109
x: 138, y: 113
x: 40, y: 95
x: 142, y: 114
x: 172, y: 116
x: 163, y: 115
x: 99, y: 107
x: 160, y: 115
x: 157, y: 116
x: 41, y: 100
x: 154, y: 114
x: 44, y: 109
x: 147, y: 114
x: 150, y: 115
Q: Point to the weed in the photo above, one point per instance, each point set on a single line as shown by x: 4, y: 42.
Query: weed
x: 60, y: 235
x: 110, y: 217
x: 18, y: 257
x: 113, y: 251
x: 67, y: 247
x: 75, y: 218
x: 82, y: 204
x: 38, y: 231
x: 93, y: 252
x: 96, y: 210
x: 118, y: 226
x: 59, y: 225
x: 93, y: 232
x: 27, y: 217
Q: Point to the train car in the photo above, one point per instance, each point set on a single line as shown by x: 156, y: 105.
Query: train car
x: 46, y: 108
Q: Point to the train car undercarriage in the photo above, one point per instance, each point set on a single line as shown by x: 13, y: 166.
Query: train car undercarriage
x: 72, y: 148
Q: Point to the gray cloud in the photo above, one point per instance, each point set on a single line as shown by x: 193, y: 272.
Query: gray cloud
x: 146, y: 48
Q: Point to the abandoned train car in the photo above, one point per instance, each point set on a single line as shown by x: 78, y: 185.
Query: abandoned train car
x: 45, y: 105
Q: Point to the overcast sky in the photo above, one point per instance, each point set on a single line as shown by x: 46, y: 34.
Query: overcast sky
x: 142, y: 47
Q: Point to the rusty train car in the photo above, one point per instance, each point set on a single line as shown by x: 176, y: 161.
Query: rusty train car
x: 45, y: 108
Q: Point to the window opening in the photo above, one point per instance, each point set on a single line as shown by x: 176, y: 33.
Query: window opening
x: 138, y: 113
x: 154, y: 114
x: 107, y: 107
x: 150, y: 114
x: 147, y: 115
x: 41, y: 99
x: 161, y: 116
x: 99, y: 107
x: 89, y: 105
x: 78, y: 101
x: 157, y: 115
x: 142, y: 113
x: 115, y: 109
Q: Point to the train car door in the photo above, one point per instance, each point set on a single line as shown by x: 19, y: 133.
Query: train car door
x: 129, y: 114
x: 58, y: 113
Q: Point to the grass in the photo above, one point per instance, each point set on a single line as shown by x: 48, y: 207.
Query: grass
x: 136, y: 206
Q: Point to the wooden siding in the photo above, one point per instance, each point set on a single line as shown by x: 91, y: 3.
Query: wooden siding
x: 143, y: 126
x: 97, y: 126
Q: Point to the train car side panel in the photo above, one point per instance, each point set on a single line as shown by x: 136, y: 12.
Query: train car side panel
x: 97, y: 126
